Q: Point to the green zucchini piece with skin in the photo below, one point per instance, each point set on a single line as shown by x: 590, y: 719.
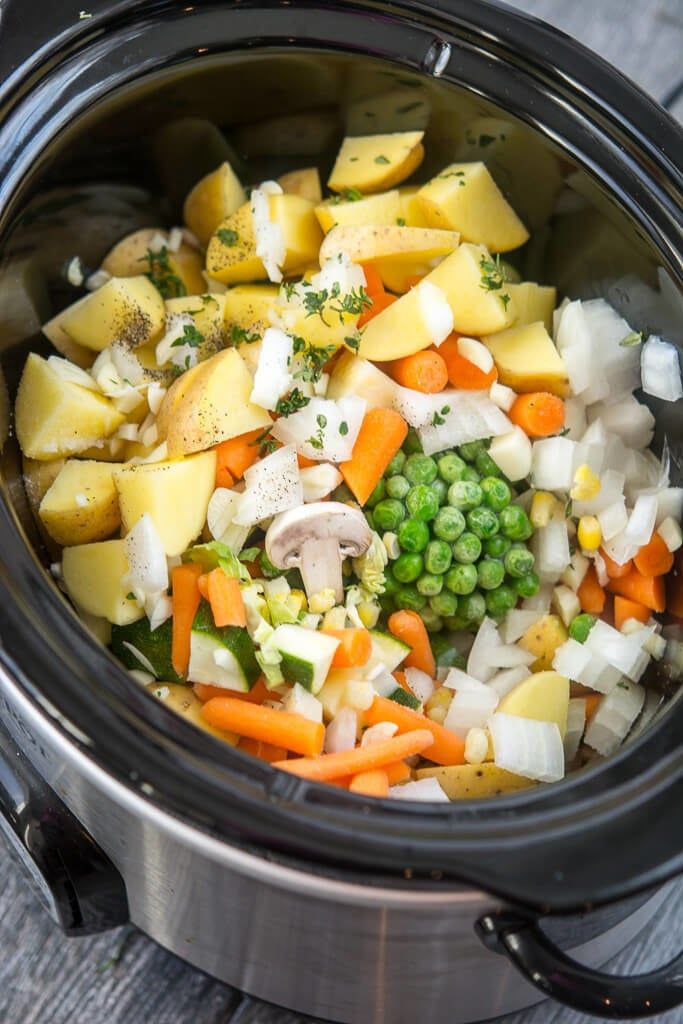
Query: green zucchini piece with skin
x: 154, y: 645
x: 445, y: 654
x: 387, y: 650
x: 306, y: 655
x: 408, y: 700
x: 221, y: 656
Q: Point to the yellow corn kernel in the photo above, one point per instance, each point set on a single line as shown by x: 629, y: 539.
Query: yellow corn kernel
x: 369, y: 613
x: 544, y: 506
x: 586, y: 484
x: 589, y: 533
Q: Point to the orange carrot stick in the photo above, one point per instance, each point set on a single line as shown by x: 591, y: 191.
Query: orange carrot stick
x: 461, y: 372
x: 446, y: 748
x: 625, y: 609
x: 381, y: 435
x: 380, y: 301
x: 372, y: 783
x: 397, y: 772
x: 185, y: 602
x: 613, y: 569
x: 590, y: 594
x: 257, y: 694
x: 225, y: 597
x: 424, y: 371
x: 355, y: 647
x: 592, y: 705
x: 647, y: 590
x: 281, y: 728
x: 409, y: 627
x: 538, y: 413
x: 360, y: 759
x: 237, y: 454
x: 263, y: 751
x: 654, y: 559
x: 374, y: 285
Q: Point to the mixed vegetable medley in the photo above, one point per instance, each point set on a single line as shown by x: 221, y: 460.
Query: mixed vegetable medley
x: 337, y: 485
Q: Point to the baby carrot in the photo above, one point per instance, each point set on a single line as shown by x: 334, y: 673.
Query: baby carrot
x: 264, y: 751
x: 380, y: 301
x: 360, y: 759
x: 647, y: 590
x: 624, y: 609
x: 372, y: 783
x: 461, y: 372
x: 185, y: 602
x: 225, y: 597
x: 373, y: 281
x: 424, y: 371
x: 654, y: 558
x: 538, y: 413
x: 280, y: 728
x: 613, y: 569
x: 446, y: 748
x: 409, y: 627
x: 590, y: 594
x: 355, y: 647
x: 397, y: 772
x: 381, y: 435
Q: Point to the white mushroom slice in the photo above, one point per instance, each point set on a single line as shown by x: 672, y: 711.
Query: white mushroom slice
x: 315, y: 539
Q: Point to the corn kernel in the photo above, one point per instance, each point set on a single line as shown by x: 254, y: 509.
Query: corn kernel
x: 543, y: 507
x: 586, y: 484
x: 476, y: 746
x: 298, y: 602
x: 438, y: 704
x: 369, y: 613
x: 589, y: 533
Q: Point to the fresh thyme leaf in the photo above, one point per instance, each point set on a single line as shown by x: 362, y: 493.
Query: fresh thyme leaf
x: 486, y: 140
x: 343, y: 428
x: 318, y: 439
x: 407, y: 107
x: 564, y: 432
x: 437, y: 420
x: 288, y: 288
x: 381, y: 159
x: 348, y: 195
x: 314, y: 304
x: 295, y: 401
x: 446, y: 409
x: 241, y: 336
x: 568, y: 509
x: 631, y: 339
x: 190, y: 336
x: 312, y: 359
x: 505, y: 299
x: 130, y: 596
x: 161, y: 275
x: 268, y: 447
x: 401, y: 221
x: 353, y: 303
x: 352, y: 341
x: 228, y: 237
x: 452, y: 174
x: 622, y: 685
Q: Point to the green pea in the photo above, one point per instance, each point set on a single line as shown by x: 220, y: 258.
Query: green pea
x: 497, y: 546
x: 408, y: 597
x: 500, y: 601
x: 464, y: 494
x: 413, y: 535
x: 467, y: 548
x: 456, y: 623
x: 396, y: 465
x: 470, y: 450
x: 377, y: 493
x: 387, y: 603
x: 497, y: 494
x: 483, y: 522
x: 408, y: 567
x: 461, y: 579
x: 438, y: 557
x: 391, y: 584
x: 449, y: 523
x: 472, y: 607
x: 370, y: 518
x: 420, y: 469
x: 470, y: 474
x: 485, y: 465
x: 519, y: 561
x: 428, y: 584
x: 397, y: 487
x: 581, y: 626
x: 388, y: 514
x: 514, y: 523
x: 433, y: 622
x: 422, y: 502
x: 440, y: 488
x: 444, y: 604
x: 527, y: 586
x: 491, y: 573
x: 450, y: 467
x: 445, y: 654
x: 412, y: 443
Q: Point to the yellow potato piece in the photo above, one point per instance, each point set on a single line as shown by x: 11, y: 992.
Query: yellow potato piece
x: 533, y: 302
x: 38, y: 478
x: 383, y: 208
x: 78, y: 354
x: 477, y: 308
x: 186, y: 703
x: 544, y: 696
x: 81, y: 506
x: 208, y: 404
x: 542, y: 639
x: 410, y: 208
x: 304, y: 182
x: 130, y: 257
x: 212, y: 199
x: 399, y: 330
x: 527, y: 360
x: 372, y: 163
x: 465, y: 198
x: 54, y: 417
x: 388, y: 243
x: 174, y: 494
x: 208, y: 315
x: 475, y: 781
x: 355, y: 376
x: 129, y: 309
x: 397, y: 110
x: 95, y: 580
x: 247, y: 307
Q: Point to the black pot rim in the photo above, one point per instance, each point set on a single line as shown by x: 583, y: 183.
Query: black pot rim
x: 544, y: 831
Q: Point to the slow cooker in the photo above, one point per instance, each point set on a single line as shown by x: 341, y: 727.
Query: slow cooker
x: 307, y: 896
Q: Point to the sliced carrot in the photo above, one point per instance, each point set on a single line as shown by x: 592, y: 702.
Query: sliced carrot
x: 613, y: 569
x: 414, y: 280
x: 355, y: 647
x: 304, y: 462
x: 538, y: 413
x: 424, y: 371
x: 185, y: 602
x: 264, y: 751
x: 647, y: 590
x: 360, y: 759
x: 654, y: 559
x: 409, y: 627
x: 446, y: 748
x: 256, y: 695
x: 372, y: 783
x: 461, y: 372
x: 380, y: 301
x: 374, y: 285
x: 237, y: 454
x: 381, y: 435
x: 224, y: 477
x: 397, y: 772
x: 225, y: 597
x: 592, y: 705
x: 590, y: 594
x: 281, y: 728
x: 625, y: 609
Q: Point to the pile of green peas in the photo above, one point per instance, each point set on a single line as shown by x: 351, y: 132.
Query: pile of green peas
x: 462, y: 542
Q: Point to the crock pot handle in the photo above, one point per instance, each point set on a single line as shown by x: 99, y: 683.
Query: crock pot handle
x: 591, y: 992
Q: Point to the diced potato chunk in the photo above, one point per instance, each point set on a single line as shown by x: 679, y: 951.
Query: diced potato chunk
x: 247, y: 307
x: 304, y: 182
x: 81, y: 506
x: 465, y: 198
x: 78, y: 354
x: 383, y: 208
x: 126, y: 308
x: 175, y: 494
x: 542, y: 639
x: 55, y: 417
x: 185, y: 702
x: 38, y: 479
x: 410, y: 207
x: 397, y: 110
x: 406, y: 326
x: 95, y: 580
x: 208, y: 314
x: 371, y: 163
x: 467, y: 280
x: 355, y: 376
x: 212, y: 199
x: 544, y: 696
x: 533, y: 302
x: 475, y: 781
x: 176, y: 272
x: 527, y: 360
x: 388, y: 243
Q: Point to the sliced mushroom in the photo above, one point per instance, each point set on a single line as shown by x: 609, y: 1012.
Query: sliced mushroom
x: 315, y: 539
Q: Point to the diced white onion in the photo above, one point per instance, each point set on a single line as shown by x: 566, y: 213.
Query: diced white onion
x: 661, y: 370
x: 503, y: 682
x: 576, y: 723
x: 516, y: 623
x: 540, y: 602
x: 641, y: 522
x: 273, y: 379
x: 168, y: 349
x: 470, y: 708
x: 670, y: 503
x: 223, y: 507
x: 624, y: 653
x: 333, y: 425
x: 620, y: 549
x: 552, y: 463
x: 474, y: 352
x: 155, y: 396
x: 566, y: 603
x: 600, y: 567
x: 476, y: 746
x: 341, y: 271
x: 436, y: 311
x: 427, y: 790
x: 629, y: 419
x: 319, y: 481
x: 175, y: 239
x: 613, y: 519
x: 273, y: 485
x: 510, y: 656
x: 573, y: 575
x: 512, y: 453
x: 502, y: 396
x: 550, y: 545
x: 616, y: 714
x: 300, y: 701
x: 68, y: 371
x: 421, y: 683
x: 96, y: 280
x: 147, y: 568
x: 341, y: 732
x: 670, y: 532
x: 574, y: 418
x: 269, y: 236
x: 527, y: 747
x: 451, y: 418
x: 479, y: 659
x: 158, y: 610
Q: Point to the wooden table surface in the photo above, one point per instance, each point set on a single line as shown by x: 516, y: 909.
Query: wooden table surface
x: 124, y: 978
